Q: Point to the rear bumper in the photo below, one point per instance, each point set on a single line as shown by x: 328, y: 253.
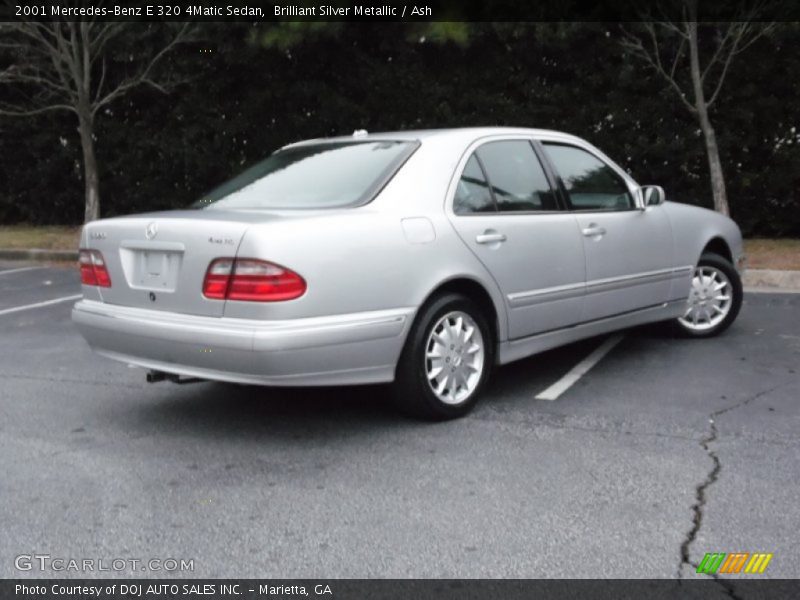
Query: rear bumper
x: 336, y: 350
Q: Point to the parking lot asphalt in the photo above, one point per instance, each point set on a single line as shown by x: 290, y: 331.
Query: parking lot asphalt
x: 665, y: 450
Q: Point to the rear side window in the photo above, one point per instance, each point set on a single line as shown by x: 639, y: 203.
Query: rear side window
x: 472, y: 193
x: 590, y: 183
x: 504, y: 176
x: 324, y: 175
x: 517, y: 178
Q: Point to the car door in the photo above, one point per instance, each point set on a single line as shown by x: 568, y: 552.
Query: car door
x: 628, y: 250
x: 507, y: 212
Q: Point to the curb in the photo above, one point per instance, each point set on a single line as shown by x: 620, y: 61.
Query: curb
x: 37, y: 254
x: 771, y: 279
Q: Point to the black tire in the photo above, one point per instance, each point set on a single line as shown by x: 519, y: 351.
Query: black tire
x: 716, y: 262
x: 412, y: 392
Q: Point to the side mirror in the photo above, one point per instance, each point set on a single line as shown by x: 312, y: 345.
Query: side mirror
x: 652, y: 195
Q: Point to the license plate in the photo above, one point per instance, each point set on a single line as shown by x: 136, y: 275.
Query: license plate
x: 156, y: 270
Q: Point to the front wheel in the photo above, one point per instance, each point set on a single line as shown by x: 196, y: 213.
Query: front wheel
x: 714, y: 299
x: 446, y: 360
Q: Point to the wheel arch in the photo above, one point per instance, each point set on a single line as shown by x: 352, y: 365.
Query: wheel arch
x: 475, y: 291
x: 718, y: 245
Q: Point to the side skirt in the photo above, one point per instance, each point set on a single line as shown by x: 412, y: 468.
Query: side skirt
x: 510, y: 351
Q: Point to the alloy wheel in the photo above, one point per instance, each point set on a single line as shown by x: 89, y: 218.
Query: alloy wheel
x: 709, y: 300
x: 454, y: 357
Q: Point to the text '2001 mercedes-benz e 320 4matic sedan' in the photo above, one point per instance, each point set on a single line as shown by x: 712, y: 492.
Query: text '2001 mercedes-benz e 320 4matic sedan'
x: 422, y: 258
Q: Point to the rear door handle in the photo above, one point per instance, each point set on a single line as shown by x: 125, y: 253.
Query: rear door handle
x: 594, y: 231
x: 490, y: 238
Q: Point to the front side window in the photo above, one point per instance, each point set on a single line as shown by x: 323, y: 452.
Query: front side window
x: 323, y: 175
x: 590, y: 183
x: 517, y: 178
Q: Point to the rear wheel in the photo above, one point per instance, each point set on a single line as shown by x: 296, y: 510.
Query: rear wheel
x: 446, y: 360
x: 714, y: 299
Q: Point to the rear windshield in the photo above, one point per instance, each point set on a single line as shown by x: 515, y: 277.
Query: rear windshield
x: 324, y: 175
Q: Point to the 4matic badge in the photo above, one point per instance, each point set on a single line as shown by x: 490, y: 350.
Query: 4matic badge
x: 218, y: 240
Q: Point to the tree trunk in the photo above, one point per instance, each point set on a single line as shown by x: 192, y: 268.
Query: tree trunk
x: 91, y: 178
x: 718, y: 190
x: 714, y: 165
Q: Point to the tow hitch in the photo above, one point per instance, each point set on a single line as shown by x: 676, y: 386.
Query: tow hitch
x: 154, y: 376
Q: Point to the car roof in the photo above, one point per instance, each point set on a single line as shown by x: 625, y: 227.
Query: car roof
x: 422, y: 134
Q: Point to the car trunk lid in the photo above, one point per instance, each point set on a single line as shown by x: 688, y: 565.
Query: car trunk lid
x: 159, y: 260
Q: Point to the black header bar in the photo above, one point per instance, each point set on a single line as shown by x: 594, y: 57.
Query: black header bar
x: 392, y: 10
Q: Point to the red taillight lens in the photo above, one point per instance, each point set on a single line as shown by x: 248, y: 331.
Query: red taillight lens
x: 93, y: 268
x: 261, y: 281
x: 87, y: 269
x: 215, y: 285
x: 251, y: 280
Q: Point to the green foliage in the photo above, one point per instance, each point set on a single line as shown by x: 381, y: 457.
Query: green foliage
x: 440, y: 32
x: 249, y: 89
x: 287, y: 35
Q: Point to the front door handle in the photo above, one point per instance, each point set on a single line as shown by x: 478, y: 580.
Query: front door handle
x: 490, y: 238
x: 594, y: 231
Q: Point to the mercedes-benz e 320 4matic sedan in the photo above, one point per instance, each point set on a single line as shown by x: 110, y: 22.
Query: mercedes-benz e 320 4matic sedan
x: 422, y: 258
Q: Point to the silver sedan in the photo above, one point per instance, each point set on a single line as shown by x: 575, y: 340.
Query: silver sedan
x: 422, y: 258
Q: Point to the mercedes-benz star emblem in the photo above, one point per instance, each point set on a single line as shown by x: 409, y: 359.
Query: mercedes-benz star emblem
x: 151, y: 230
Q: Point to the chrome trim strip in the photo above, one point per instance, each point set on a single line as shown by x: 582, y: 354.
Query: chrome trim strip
x: 574, y: 290
x: 687, y: 270
x: 615, y: 283
x: 152, y: 245
x: 560, y: 292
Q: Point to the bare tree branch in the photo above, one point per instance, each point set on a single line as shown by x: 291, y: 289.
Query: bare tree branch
x: 722, y: 44
x: 16, y: 75
x: 733, y: 40
x: 743, y: 36
x: 12, y: 112
x: 676, y: 60
x: 13, y: 46
x: 98, y: 42
x: 727, y: 63
x: 71, y: 49
x: 634, y: 44
x: 99, y: 90
x: 669, y: 26
x: 143, y: 78
x: 87, y: 65
x: 53, y: 66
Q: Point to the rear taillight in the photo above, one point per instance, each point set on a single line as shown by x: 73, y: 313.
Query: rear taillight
x: 93, y: 268
x: 251, y: 280
x: 217, y: 278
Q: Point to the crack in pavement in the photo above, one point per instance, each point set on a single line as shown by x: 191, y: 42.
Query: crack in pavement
x: 713, y: 475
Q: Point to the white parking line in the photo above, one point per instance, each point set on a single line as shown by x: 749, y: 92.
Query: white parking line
x: 8, y: 311
x: 579, y: 370
x: 20, y: 270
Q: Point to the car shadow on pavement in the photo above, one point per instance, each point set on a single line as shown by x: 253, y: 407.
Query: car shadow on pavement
x: 247, y: 410
x: 211, y: 409
x: 531, y: 375
x: 217, y: 409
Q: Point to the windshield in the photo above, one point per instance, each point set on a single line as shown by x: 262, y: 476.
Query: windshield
x: 324, y: 175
